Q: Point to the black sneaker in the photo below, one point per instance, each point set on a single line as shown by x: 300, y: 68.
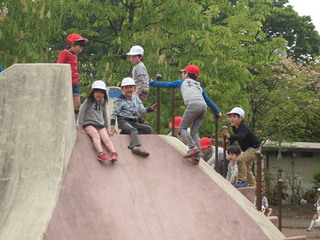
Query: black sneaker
x: 139, y: 151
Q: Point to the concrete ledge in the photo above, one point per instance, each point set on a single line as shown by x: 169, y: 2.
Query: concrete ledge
x: 296, y: 238
x: 37, y: 135
x: 248, y: 192
x: 274, y: 220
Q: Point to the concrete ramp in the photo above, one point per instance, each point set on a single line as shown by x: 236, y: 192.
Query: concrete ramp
x: 163, y: 196
x: 36, y: 139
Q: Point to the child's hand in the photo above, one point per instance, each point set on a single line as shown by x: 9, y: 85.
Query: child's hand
x: 225, y: 133
x: 226, y: 142
x: 154, y: 106
x: 219, y: 115
x: 112, y: 130
x: 80, y: 129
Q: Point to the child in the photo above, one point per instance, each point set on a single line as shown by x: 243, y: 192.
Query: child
x: 196, y: 101
x: 232, y: 174
x: 265, y: 205
x: 249, y: 144
x: 93, y: 121
x: 139, y: 73
x: 208, y: 153
x: 315, y: 222
x: 76, y: 44
x: 128, y: 109
x: 177, y: 134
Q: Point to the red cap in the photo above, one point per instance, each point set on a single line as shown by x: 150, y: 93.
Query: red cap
x: 192, y: 69
x: 75, y: 37
x: 177, y: 121
x: 205, y: 142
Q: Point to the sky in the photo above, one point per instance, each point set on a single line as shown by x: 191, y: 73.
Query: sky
x: 308, y: 7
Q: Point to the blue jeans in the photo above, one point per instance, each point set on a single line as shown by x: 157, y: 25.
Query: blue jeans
x: 76, y: 90
x: 194, y: 115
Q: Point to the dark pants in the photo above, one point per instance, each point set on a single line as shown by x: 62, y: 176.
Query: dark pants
x: 133, y: 128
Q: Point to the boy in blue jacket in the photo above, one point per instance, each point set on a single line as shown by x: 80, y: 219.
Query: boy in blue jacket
x: 196, y: 101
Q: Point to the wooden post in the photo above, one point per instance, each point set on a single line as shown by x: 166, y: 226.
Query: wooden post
x: 216, y: 144
x: 258, y: 188
x: 224, y: 154
x: 280, y: 186
x: 173, y: 111
x: 159, y: 78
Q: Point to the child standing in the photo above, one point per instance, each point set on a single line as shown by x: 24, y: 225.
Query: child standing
x: 93, y: 121
x: 232, y: 174
x: 249, y: 144
x: 196, y: 101
x: 76, y: 44
x: 139, y: 72
x: 128, y: 109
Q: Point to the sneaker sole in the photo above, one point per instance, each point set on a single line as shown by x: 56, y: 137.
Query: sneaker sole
x: 192, y: 153
x: 101, y: 160
x: 142, y: 154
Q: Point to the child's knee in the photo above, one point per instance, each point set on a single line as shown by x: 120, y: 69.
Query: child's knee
x: 96, y: 139
x: 148, y: 130
x: 133, y: 131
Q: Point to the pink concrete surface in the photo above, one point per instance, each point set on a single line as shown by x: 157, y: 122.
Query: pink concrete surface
x: 274, y: 220
x: 163, y: 196
x: 248, y: 192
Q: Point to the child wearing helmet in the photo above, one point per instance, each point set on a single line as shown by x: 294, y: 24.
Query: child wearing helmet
x: 93, y: 120
x: 196, y: 101
x: 139, y: 72
x: 76, y: 44
x: 127, y: 109
x: 249, y: 144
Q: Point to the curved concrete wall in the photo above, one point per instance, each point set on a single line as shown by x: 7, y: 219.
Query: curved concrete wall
x: 37, y: 135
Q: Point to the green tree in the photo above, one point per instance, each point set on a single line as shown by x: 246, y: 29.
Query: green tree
x: 25, y: 29
x: 224, y: 38
x: 303, y: 40
x: 286, y: 97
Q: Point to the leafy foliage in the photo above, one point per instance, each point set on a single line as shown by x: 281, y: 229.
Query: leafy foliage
x: 229, y: 40
x: 302, y: 39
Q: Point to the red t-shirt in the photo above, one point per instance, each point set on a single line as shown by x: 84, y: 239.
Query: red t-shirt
x: 67, y: 57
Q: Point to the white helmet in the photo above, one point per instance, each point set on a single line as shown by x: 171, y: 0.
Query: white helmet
x: 99, y: 85
x: 136, y: 50
x: 127, y: 82
x: 237, y: 110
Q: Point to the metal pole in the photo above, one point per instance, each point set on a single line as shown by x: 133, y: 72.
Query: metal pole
x: 258, y: 188
x: 159, y: 78
x: 216, y: 144
x: 173, y: 112
x: 280, y: 186
x: 224, y: 154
